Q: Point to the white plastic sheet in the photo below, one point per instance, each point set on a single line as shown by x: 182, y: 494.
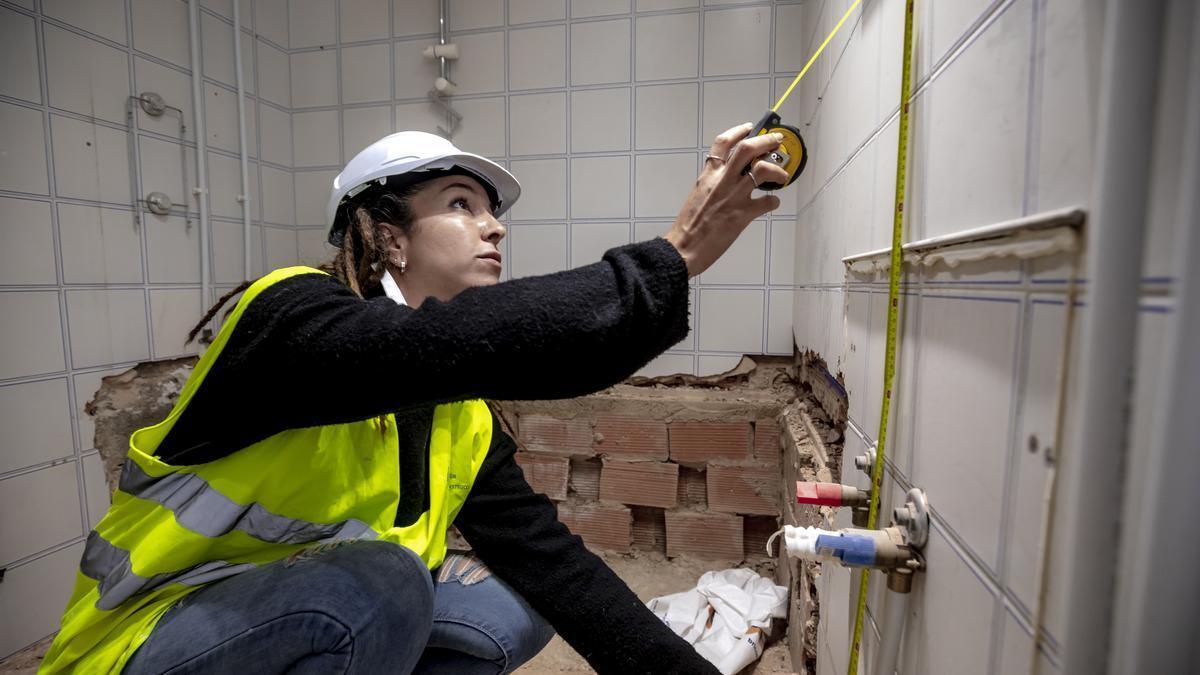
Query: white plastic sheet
x: 719, y: 617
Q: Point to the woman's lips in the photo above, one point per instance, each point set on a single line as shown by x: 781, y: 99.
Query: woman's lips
x: 493, y: 256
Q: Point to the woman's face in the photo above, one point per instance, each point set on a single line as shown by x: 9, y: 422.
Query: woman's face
x: 453, y: 244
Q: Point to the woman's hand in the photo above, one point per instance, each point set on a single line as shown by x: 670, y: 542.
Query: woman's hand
x: 721, y: 205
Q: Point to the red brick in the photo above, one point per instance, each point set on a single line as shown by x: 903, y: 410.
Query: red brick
x: 767, y: 439
x: 693, y: 488
x: 698, y: 442
x: 704, y: 535
x: 631, y: 437
x: 744, y: 489
x: 602, y: 527
x: 585, y: 479
x: 649, y: 529
x: 545, y: 474
x: 542, y: 433
x: 641, y: 483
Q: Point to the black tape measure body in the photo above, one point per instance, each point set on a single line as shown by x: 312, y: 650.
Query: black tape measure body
x: 792, y: 154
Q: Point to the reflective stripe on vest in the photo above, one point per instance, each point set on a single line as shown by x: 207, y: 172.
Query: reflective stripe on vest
x: 172, y: 529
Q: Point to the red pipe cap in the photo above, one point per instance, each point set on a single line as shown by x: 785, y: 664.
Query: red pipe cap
x: 818, y: 494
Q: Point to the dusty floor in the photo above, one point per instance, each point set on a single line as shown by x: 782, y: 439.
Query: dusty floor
x: 650, y: 576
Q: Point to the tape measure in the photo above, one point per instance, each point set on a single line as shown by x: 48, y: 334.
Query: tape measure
x: 792, y: 154
x: 893, y: 322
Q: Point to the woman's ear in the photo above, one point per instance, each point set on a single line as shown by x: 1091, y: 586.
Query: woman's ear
x: 394, y: 240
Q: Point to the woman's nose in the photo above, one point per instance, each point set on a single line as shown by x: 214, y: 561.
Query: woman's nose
x: 493, y: 230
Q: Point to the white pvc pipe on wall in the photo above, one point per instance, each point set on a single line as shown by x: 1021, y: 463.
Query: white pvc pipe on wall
x: 1092, y: 468
x: 201, y: 189
x: 895, y: 614
x: 244, y: 198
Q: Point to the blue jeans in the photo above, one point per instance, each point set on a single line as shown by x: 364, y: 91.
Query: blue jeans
x: 361, y: 607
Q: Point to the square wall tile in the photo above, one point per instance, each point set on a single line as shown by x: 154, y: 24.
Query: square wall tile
x: 175, y: 87
x: 225, y: 184
x: 278, y: 198
x: 980, y: 176
x: 107, y: 326
x: 312, y: 23
x: 35, y: 419
x: 312, y: 196
x: 274, y: 72
x: 172, y: 249
x: 737, y: 41
x: 789, y: 51
x: 366, y: 73
x: 600, y: 52
x: 362, y: 127
x: 228, y: 244
x: 484, y: 52
x: 364, y: 20
x: 161, y: 29
x: 779, y: 321
x: 667, y: 116
x: 589, y: 241
x: 38, y: 510
x: 648, y: 231
x: 530, y: 11
x: 950, y: 621
x: 730, y: 320
x: 316, y: 141
x: 600, y: 187
x: 585, y: 8
x: 32, y: 600
x: 168, y: 168
x: 662, y: 182
x: 281, y: 247
x: 414, y: 74
x: 668, y: 46
x: 270, y: 20
x: 473, y: 14
x: 82, y: 73
x: 275, y: 131
x: 600, y: 119
x: 536, y: 249
x: 22, y: 150
x: 543, y: 189
x: 483, y: 125
x: 314, y: 79
x: 728, y: 103
x: 99, y: 246
x: 225, y: 9
x: 537, y: 124
x: 669, y: 364
x: 217, y: 46
x: 32, y: 345
x: 27, y: 256
x: 105, y: 18
x: 18, y: 44
x: 965, y: 378
x: 173, y: 312
x: 707, y: 364
x: 221, y: 118
x: 537, y: 58
x: 418, y: 117
x: 652, y: 5
x: 781, y: 253
x: 313, y: 247
x: 80, y: 149
x: 98, y: 496
x: 745, y: 260
x: 414, y: 18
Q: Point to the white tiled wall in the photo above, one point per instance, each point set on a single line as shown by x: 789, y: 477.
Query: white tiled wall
x: 602, y: 109
x: 1002, y: 126
x: 87, y: 290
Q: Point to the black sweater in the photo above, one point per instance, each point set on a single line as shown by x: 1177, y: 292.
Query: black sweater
x: 555, y: 336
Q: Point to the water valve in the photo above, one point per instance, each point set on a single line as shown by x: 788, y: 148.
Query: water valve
x: 831, y: 494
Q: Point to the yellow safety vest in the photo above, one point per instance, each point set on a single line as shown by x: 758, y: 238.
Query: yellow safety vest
x: 171, y: 529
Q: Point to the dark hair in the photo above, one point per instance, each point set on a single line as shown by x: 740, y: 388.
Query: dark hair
x: 361, y: 261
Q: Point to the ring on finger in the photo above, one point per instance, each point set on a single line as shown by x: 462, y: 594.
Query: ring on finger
x: 754, y: 180
x: 714, y: 157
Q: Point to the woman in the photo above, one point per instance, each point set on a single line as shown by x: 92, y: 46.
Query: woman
x: 291, y: 511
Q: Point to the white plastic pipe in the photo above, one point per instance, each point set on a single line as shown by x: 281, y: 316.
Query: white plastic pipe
x: 1158, y: 590
x: 201, y: 189
x: 1092, y: 468
x: 244, y: 198
x: 895, y: 614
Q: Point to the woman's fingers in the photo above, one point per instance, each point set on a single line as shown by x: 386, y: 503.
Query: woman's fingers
x: 768, y: 172
x: 760, y: 206
x: 728, y: 138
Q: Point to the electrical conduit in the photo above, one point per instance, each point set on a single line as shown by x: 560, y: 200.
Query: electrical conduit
x: 201, y: 189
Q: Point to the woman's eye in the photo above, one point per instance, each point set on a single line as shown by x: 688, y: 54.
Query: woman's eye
x: 461, y: 201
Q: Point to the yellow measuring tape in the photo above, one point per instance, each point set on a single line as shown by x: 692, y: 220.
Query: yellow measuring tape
x: 889, y: 360
x: 817, y: 53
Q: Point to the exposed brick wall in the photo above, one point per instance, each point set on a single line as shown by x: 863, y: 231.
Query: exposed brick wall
x: 631, y: 437
x: 700, y: 442
x: 640, y: 483
x: 545, y: 474
x: 542, y: 433
x: 749, y: 490
x: 601, y: 526
x: 704, y: 535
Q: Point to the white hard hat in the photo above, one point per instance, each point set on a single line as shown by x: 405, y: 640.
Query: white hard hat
x: 411, y: 152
